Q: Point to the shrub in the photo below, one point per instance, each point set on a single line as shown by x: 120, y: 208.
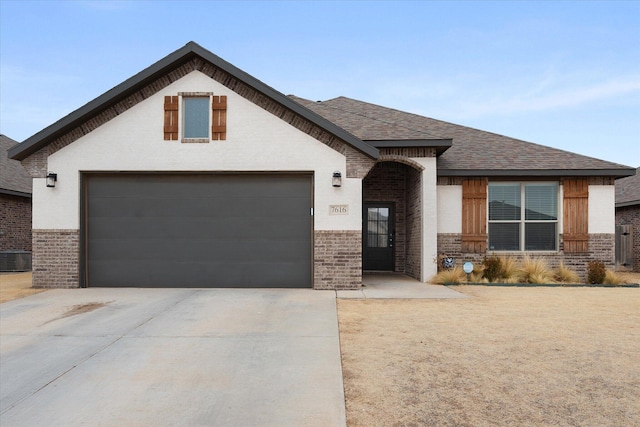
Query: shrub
x: 536, y: 271
x: 596, y: 272
x: 447, y: 277
x: 510, y: 271
x: 611, y: 278
x: 566, y: 275
x: 492, y: 268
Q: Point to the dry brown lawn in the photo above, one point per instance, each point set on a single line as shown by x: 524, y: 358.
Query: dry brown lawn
x: 505, y: 357
x: 16, y: 285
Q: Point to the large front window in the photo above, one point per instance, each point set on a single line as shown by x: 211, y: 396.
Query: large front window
x: 523, y: 216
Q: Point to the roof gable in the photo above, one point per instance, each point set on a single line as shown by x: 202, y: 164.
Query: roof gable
x: 14, y: 179
x: 150, y: 80
x: 473, y: 151
x: 628, y: 190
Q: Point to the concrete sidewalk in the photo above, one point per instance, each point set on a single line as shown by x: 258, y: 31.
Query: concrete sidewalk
x: 116, y: 357
x: 398, y: 286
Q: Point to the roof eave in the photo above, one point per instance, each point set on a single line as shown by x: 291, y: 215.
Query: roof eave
x: 14, y: 193
x: 163, y: 66
x: 627, y: 204
x: 440, y: 144
x: 616, y: 173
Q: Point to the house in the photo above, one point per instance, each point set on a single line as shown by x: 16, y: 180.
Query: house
x: 192, y: 173
x: 15, y: 211
x: 628, y: 223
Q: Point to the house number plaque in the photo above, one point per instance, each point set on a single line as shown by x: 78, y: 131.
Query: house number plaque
x: 338, y: 209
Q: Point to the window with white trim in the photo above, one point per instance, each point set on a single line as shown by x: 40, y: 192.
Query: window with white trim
x: 523, y: 216
x: 196, y: 117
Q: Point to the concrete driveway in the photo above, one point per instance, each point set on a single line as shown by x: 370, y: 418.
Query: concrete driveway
x: 121, y: 357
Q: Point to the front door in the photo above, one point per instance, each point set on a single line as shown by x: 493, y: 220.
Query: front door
x: 378, y: 236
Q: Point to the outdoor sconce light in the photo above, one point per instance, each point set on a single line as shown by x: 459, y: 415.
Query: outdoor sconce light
x: 51, y: 179
x: 337, y: 179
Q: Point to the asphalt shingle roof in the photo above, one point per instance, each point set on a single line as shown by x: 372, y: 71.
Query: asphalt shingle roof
x: 13, y: 177
x: 628, y: 190
x: 472, y: 150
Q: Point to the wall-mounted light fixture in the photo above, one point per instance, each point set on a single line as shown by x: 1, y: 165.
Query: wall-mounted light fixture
x: 51, y: 179
x: 337, y: 179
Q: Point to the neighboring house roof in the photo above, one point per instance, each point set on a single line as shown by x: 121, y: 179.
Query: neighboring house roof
x: 14, y: 179
x: 628, y: 190
x: 473, y: 152
x: 160, y: 68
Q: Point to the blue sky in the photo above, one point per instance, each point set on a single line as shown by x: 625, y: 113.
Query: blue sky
x: 563, y: 74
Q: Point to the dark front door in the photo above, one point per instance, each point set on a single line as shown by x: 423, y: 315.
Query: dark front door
x: 378, y: 236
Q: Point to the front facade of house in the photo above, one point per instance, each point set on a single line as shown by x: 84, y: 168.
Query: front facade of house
x: 194, y: 174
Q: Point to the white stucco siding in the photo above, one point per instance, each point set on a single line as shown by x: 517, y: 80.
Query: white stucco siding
x: 429, y: 217
x: 256, y: 141
x: 449, y: 208
x: 602, y: 218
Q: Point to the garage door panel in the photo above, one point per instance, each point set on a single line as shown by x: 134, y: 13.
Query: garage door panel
x: 205, y: 275
x: 199, y: 230
x: 191, y: 228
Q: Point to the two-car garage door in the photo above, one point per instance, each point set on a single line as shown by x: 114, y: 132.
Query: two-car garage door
x: 198, y: 230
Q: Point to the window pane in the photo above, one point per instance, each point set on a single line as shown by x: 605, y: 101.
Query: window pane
x: 382, y: 240
x: 196, y: 117
x: 372, y: 240
x: 504, y: 237
x: 540, y: 236
x: 541, y: 202
x: 504, y: 202
x: 372, y: 213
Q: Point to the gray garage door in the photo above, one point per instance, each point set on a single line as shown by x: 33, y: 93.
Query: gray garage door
x: 209, y: 230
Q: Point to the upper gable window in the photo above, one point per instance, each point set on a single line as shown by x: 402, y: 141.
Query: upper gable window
x: 196, y: 118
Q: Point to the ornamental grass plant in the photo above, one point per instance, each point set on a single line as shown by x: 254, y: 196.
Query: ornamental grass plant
x: 448, y: 277
x: 536, y: 271
x: 564, y: 274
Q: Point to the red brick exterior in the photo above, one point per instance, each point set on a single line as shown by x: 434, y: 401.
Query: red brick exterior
x: 15, y: 223
x: 55, y: 258
x: 601, y: 247
x: 630, y: 215
x: 337, y: 262
x: 401, y: 185
x: 414, y: 223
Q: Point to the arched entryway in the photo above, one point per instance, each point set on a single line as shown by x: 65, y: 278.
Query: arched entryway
x: 392, y: 218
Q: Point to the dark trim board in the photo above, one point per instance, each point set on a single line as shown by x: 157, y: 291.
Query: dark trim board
x: 191, y: 230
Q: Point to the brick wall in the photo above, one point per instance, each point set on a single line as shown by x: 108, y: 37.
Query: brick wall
x: 414, y: 223
x: 387, y: 183
x: 15, y: 223
x: 630, y: 215
x: 55, y: 258
x: 601, y: 247
x: 337, y: 259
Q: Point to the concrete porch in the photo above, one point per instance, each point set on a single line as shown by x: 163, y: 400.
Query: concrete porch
x: 397, y: 286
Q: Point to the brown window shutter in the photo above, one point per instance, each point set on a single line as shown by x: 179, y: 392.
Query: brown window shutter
x: 170, y: 118
x: 474, y: 215
x: 219, y: 118
x: 575, y: 215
